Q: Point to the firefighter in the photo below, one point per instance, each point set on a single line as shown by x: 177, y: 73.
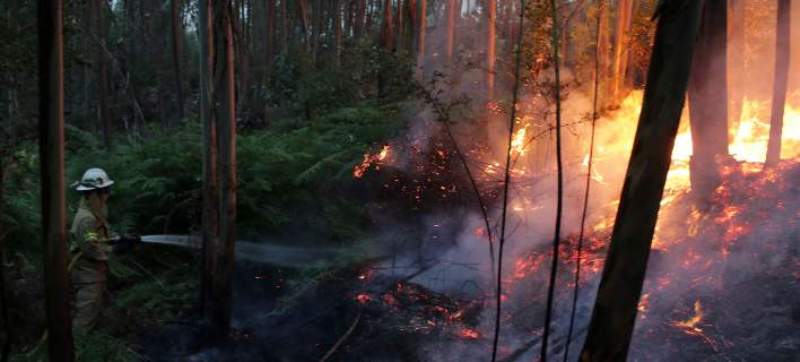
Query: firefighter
x: 92, y: 244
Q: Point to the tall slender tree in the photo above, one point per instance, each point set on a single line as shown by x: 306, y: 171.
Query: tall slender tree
x: 491, y: 47
x: 451, y: 30
x: 736, y: 62
x: 624, y: 21
x: 210, y: 173
x: 51, y: 154
x: 97, y: 14
x: 615, y: 308
x: 337, y: 32
x: 421, y: 33
x: 783, y: 32
x: 708, y: 99
x: 225, y: 116
x: 177, y: 51
x: 387, y: 32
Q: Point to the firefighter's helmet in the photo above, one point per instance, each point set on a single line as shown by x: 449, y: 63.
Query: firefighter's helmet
x: 93, y: 179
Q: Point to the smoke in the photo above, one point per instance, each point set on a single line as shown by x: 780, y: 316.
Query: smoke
x: 679, y: 274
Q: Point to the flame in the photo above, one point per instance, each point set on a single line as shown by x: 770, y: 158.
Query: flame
x: 369, y: 160
x: 690, y: 325
x: 644, y: 304
x: 518, y: 142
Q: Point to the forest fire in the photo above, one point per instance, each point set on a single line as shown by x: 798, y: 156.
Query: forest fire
x: 695, y: 243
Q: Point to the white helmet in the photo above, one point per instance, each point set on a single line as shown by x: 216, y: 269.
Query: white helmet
x: 93, y: 179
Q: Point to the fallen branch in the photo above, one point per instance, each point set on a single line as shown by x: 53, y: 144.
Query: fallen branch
x: 342, y: 338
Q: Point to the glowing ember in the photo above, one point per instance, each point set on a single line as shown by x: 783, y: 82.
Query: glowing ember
x: 469, y: 333
x: 363, y: 298
x: 644, y: 303
x: 690, y: 325
x: 369, y: 160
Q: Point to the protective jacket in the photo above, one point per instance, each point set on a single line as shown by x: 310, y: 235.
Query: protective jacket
x: 89, y: 268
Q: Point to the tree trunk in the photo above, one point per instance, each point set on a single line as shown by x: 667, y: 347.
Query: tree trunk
x: 615, y: 308
x: 708, y: 99
x: 225, y: 92
x: 423, y: 25
x: 284, y: 27
x: 316, y: 29
x: 782, y: 52
x: 337, y: 32
x: 97, y: 9
x: 491, y: 48
x: 210, y: 174
x: 177, y: 51
x: 302, y: 7
x: 387, y: 35
x: 361, y: 12
x: 399, y: 24
x: 51, y: 154
x: 624, y: 18
x: 451, y: 30
x: 736, y: 66
x: 269, y: 46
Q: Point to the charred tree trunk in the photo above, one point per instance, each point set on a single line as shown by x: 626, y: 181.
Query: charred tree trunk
x: 491, y: 46
x: 708, y: 99
x: 225, y: 115
x: 210, y: 174
x: 177, y: 50
x: 421, y: 32
x: 782, y: 51
x: 51, y: 154
x: 624, y: 18
x: 451, y: 30
x: 614, y: 312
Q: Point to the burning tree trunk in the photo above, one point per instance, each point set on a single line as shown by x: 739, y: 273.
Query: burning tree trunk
x: 210, y: 176
x: 423, y: 24
x: 177, y: 50
x: 782, y: 51
x: 225, y: 115
x: 451, y: 29
x: 491, y: 46
x: 615, y: 309
x: 708, y: 99
x: 51, y: 154
x: 624, y: 18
